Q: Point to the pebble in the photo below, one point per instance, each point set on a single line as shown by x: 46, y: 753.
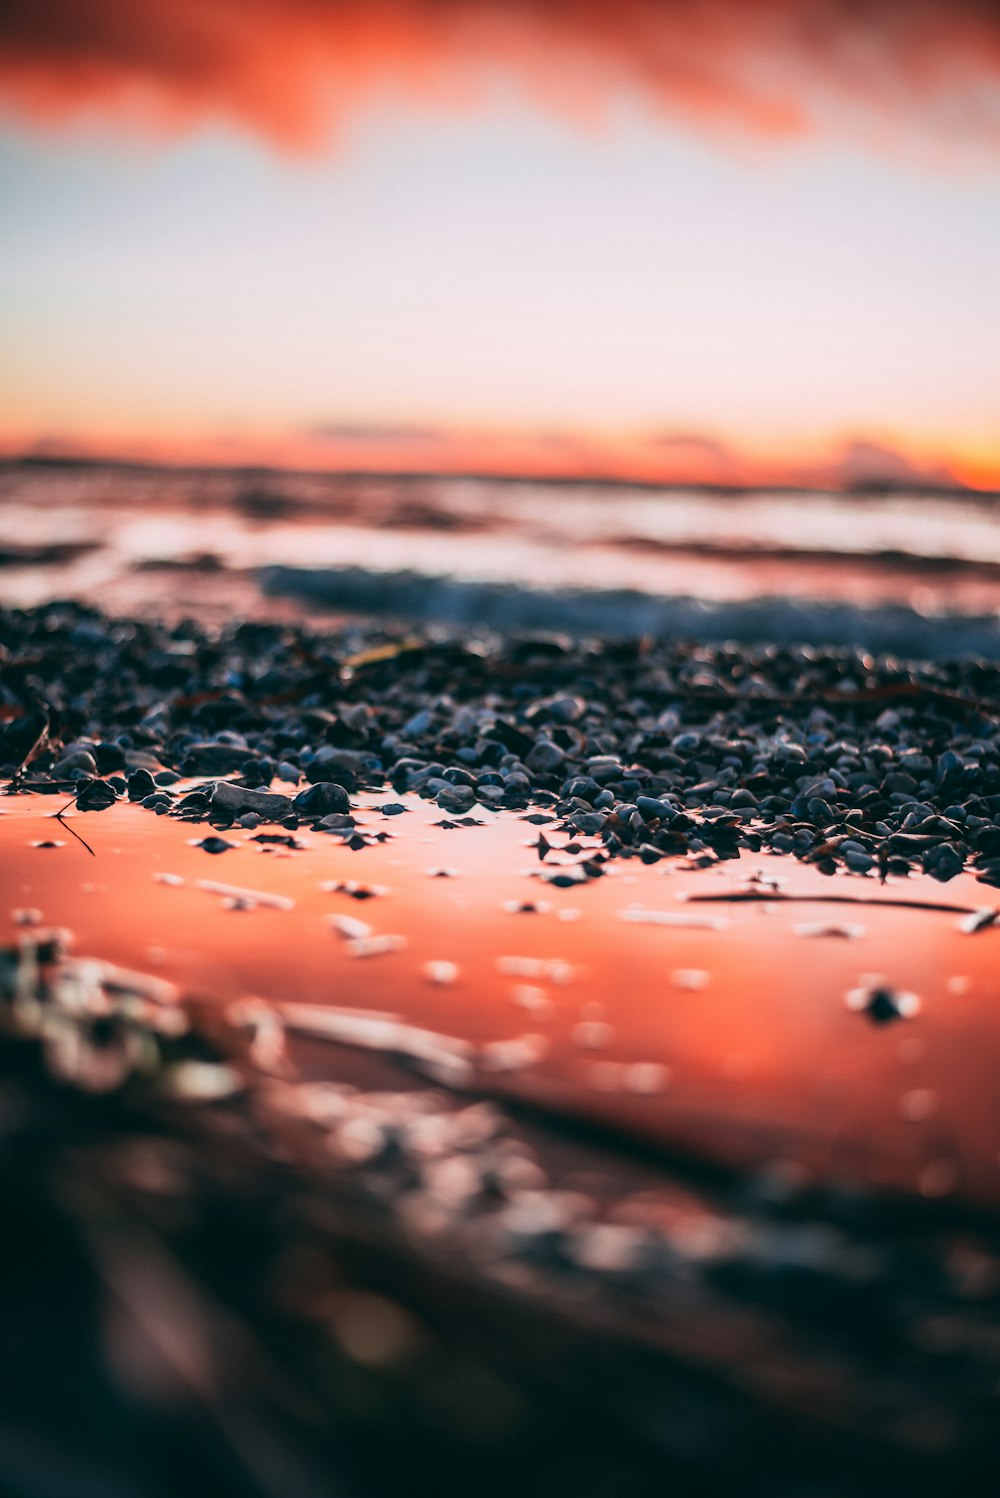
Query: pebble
x: 617, y: 746
x: 441, y: 973
x: 535, y: 1000
x: 82, y: 762
x: 236, y: 799
x: 375, y: 946
x: 512, y: 1055
x: 215, y: 845
x: 645, y: 1078
x: 95, y: 795
x: 592, y: 1035
x: 321, y: 799
x: 350, y: 927
x: 882, y: 1004
x: 979, y: 920
x: 849, y: 931
x: 695, y: 980
x: 248, y: 898
x: 636, y: 916
x: 354, y: 889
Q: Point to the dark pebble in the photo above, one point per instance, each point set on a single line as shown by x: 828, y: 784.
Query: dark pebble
x: 321, y: 798
x: 95, y: 795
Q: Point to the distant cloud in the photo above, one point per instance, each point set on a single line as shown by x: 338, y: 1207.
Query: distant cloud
x: 864, y: 464
x: 376, y: 434
x: 694, y: 444
x: 291, y: 70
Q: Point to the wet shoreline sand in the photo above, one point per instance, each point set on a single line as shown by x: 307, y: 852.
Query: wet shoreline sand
x: 599, y: 1210
x: 657, y: 1001
x: 504, y: 1034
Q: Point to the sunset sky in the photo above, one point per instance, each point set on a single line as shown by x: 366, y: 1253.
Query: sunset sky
x: 679, y: 239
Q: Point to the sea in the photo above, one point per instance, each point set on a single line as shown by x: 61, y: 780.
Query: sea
x: 909, y: 572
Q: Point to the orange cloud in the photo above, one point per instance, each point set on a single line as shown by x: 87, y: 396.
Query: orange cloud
x: 291, y: 70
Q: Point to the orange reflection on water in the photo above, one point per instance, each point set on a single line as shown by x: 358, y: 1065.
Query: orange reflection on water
x: 710, y: 1027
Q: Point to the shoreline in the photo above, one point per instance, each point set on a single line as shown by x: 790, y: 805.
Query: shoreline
x: 606, y: 1028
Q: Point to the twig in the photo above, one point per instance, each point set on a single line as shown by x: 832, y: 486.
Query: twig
x: 772, y: 897
x: 58, y: 817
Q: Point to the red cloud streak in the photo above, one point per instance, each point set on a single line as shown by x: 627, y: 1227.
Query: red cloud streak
x: 291, y: 70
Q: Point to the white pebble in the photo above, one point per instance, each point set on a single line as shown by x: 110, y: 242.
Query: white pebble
x: 441, y: 973
x: 979, y: 920
x: 592, y: 1034
x: 513, y: 1055
x: 646, y: 1078
x: 350, y: 927
x: 535, y: 1000
x: 246, y: 898
x: 692, y: 978
x: 375, y: 946
x: 636, y: 916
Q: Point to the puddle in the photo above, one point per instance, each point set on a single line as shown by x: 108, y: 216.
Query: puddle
x: 658, y: 1001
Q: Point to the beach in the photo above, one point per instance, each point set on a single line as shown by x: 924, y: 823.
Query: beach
x: 633, y: 994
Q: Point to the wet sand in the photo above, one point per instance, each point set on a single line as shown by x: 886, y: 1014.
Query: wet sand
x: 654, y: 1002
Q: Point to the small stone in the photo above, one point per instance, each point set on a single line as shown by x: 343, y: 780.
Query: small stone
x: 324, y: 797
x: 95, y: 795
x: 82, y: 762
x: 443, y: 974
x: 140, y: 785
x: 592, y: 1035
x: 882, y: 1004
x: 544, y: 756
x: 215, y: 845
x: 234, y: 800
x: 456, y: 798
x: 350, y: 927
x: 645, y: 1078
x: 692, y: 979
x: 979, y: 920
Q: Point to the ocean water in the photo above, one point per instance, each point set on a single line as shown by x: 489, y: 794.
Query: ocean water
x: 905, y: 572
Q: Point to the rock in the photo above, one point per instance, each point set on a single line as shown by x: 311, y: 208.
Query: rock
x: 320, y: 799
x: 95, y: 795
x: 456, y: 798
x: 139, y: 759
x: 215, y: 845
x: 234, y: 800
x: 418, y: 725
x: 110, y: 757
x: 544, y: 756
x: 81, y: 762
x: 140, y: 785
x: 213, y: 759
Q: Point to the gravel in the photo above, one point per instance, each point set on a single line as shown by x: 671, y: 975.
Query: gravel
x: 853, y: 762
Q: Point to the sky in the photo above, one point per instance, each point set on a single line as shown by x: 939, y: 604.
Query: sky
x: 688, y: 240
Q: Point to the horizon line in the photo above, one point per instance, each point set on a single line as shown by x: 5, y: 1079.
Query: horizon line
x: 917, y: 486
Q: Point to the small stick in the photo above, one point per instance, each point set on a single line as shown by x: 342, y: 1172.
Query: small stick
x: 775, y: 898
x: 58, y: 816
